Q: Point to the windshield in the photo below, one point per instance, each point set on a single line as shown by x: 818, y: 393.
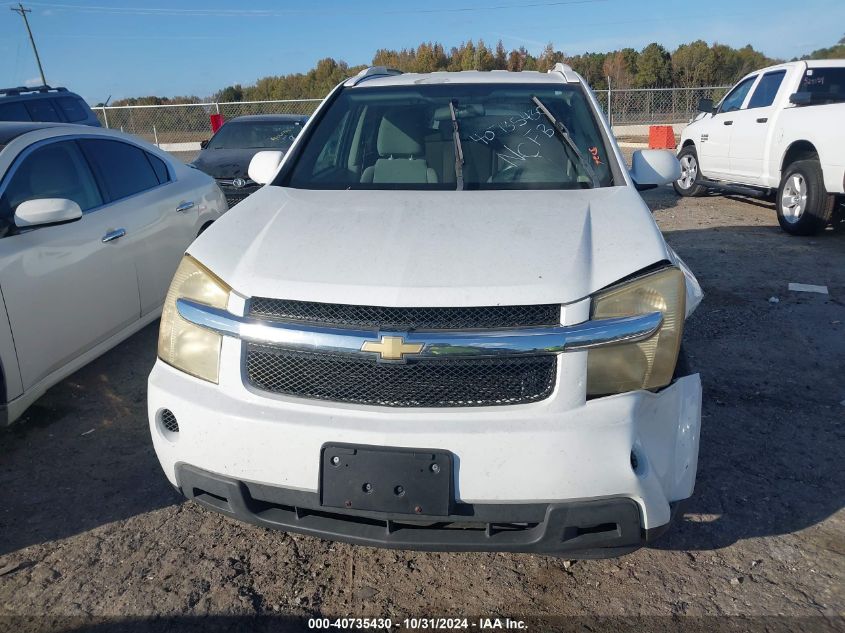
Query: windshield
x: 254, y: 135
x: 403, y: 137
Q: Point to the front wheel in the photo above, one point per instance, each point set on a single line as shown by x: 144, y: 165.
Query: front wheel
x: 803, y: 204
x: 687, y: 185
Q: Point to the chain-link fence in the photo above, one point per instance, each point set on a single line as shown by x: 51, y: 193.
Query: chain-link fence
x: 180, y: 128
x: 190, y: 123
x: 631, y: 111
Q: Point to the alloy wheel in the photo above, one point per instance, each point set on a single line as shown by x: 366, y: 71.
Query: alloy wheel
x: 793, y: 200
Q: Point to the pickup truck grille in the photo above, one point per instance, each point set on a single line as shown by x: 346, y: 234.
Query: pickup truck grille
x: 431, y: 383
x: 454, y: 382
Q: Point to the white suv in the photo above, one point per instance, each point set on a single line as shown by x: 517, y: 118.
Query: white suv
x: 449, y: 322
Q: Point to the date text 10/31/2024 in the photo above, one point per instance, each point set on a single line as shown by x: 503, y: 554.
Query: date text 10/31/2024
x: 416, y: 624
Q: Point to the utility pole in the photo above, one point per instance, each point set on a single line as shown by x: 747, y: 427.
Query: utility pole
x: 22, y: 12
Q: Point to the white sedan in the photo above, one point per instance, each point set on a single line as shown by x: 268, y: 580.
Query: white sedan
x: 93, y: 224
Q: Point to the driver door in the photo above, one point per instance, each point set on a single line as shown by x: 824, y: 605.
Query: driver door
x: 715, y: 142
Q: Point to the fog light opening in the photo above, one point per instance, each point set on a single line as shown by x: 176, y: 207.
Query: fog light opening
x: 635, y: 462
x: 167, y: 422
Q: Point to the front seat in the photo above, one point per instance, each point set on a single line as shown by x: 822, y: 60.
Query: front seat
x: 400, y: 152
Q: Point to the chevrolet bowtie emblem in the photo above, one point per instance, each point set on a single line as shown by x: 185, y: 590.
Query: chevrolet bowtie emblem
x: 391, y: 348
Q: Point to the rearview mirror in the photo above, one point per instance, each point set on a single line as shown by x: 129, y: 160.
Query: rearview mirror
x: 264, y: 165
x: 46, y: 211
x: 204, y: 144
x: 705, y: 105
x: 651, y: 168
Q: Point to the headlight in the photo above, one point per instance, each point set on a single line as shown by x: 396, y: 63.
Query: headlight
x: 193, y: 349
x: 648, y: 364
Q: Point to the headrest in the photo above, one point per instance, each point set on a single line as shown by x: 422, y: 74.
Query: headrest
x: 398, y: 134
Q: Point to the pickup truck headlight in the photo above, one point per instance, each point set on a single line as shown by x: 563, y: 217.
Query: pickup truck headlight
x: 193, y: 349
x: 648, y: 364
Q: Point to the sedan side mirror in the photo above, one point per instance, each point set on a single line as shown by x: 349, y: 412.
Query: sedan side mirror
x: 204, y: 144
x: 705, y: 105
x: 46, y: 211
x: 264, y: 166
x: 651, y: 168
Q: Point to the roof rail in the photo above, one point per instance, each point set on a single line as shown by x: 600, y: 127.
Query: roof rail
x: 23, y: 89
x: 372, y: 71
x: 570, y: 75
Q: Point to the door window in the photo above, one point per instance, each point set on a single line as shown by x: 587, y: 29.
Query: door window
x: 767, y: 89
x: 42, y: 110
x: 736, y: 96
x: 72, y: 109
x: 160, y: 168
x: 123, y: 169
x: 14, y: 111
x: 57, y: 170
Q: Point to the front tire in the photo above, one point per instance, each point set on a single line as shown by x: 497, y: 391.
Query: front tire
x: 687, y: 185
x: 804, y: 207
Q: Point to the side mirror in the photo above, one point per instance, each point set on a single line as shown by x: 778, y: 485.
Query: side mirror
x: 204, y: 144
x: 46, y: 211
x: 264, y: 165
x: 801, y: 98
x: 651, y: 168
x: 705, y: 105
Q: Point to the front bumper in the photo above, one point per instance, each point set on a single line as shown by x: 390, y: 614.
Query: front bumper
x: 581, y: 529
x: 559, y: 450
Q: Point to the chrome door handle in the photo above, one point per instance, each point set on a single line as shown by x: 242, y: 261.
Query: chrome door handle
x: 184, y: 206
x: 113, y: 235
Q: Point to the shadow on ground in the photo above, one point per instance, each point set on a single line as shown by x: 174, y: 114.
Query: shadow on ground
x: 772, y: 363
x: 81, y: 456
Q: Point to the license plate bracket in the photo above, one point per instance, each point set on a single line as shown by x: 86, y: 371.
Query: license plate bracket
x: 412, y: 481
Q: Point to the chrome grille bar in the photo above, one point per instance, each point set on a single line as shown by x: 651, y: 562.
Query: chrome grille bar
x: 435, y: 343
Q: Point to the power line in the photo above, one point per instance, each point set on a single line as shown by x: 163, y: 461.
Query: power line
x: 263, y: 13
x: 22, y: 12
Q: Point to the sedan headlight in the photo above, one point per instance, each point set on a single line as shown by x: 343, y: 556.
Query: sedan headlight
x: 193, y: 349
x: 648, y: 364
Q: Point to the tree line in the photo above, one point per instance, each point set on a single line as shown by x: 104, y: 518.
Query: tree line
x: 690, y: 65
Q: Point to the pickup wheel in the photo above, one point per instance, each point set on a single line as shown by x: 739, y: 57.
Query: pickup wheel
x: 804, y: 207
x: 687, y: 185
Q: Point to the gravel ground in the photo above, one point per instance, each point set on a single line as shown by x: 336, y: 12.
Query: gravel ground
x: 91, y: 531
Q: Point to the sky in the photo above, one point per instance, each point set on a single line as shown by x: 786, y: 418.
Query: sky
x: 124, y: 48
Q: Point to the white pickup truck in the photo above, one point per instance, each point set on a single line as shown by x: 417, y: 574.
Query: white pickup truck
x: 780, y: 128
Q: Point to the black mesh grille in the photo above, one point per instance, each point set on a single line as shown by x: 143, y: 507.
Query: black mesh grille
x: 234, y: 198
x: 405, y: 319
x: 168, y: 421
x: 235, y: 194
x: 425, y: 383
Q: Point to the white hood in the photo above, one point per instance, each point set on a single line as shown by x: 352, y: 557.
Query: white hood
x: 431, y: 248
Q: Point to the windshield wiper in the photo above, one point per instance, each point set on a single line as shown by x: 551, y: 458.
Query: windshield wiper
x: 459, y: 150
x: 563, y: 133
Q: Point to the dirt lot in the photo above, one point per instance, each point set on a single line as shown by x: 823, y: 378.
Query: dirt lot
x: 89, y: 527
